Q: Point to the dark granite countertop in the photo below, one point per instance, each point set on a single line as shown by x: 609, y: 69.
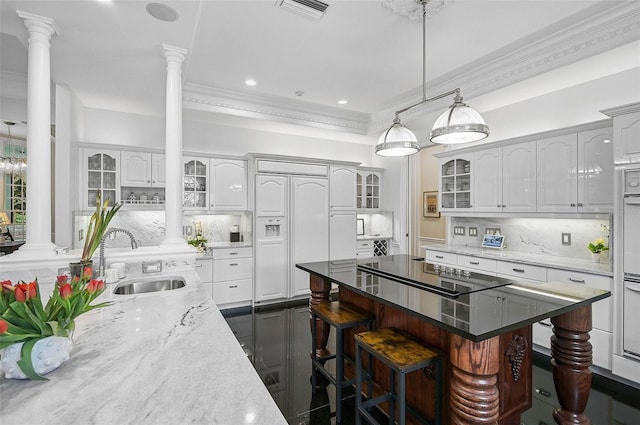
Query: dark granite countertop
x: 476, y: 307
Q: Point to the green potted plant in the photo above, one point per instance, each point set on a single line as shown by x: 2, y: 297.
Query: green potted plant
x: 98, y: 224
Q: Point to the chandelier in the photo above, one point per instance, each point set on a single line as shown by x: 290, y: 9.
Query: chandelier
x: 12, y: 164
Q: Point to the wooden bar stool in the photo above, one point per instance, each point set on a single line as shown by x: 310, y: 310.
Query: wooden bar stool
x: 402, y: 353
x: 341, y: 316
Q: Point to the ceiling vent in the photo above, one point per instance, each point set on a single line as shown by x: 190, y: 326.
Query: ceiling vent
x: 314, y: 9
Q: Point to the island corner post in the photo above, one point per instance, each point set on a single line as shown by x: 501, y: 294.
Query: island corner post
x: 474, y: 394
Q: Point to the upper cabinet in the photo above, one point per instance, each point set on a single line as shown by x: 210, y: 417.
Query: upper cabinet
x: 100, y: 171
x: 575, y: 172
x: 229, y: 184
x: 342, y: 193
x: 455, y: 183
x: 626, y: 133
x: 142, y: 169
x: 214, y: 184
x: 271, y: 195
x: 368, y: 184
x: 519, y: 177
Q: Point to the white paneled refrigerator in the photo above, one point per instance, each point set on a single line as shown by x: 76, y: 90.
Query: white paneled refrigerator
x: 292, y: 226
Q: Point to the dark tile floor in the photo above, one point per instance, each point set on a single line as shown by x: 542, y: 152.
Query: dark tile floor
x: 277, y: 341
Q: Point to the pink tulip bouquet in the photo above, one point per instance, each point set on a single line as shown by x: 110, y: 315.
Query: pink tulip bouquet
x: 24, y: 319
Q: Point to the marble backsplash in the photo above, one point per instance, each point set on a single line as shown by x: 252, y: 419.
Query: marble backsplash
x: 148, y: 227
x: 535, y: 235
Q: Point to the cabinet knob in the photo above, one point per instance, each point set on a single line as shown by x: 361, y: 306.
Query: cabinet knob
x: 148, y: 181
x: 498, y: 205
x: 572, y: 204
x: 580, y: 204
x: 504, y: 206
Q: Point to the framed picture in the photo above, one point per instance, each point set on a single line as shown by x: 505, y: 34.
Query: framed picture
x: 360, y: 226
x: 430, y: 204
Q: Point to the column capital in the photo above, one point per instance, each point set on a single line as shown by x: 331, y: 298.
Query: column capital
x: 172, y: 53
x: 34, y: 22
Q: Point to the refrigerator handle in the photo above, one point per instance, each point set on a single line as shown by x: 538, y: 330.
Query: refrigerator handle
x: 632, y: 200
x: 635, y: 287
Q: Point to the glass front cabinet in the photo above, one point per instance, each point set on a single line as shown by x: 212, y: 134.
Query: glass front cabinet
x: 368, y: 189
x: 101, y: 171
x: 455, y: 184
x: 195, y: 194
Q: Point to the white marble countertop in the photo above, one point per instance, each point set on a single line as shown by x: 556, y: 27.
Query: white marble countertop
x: 563, y: 263
x: 157, y: 358
x: 372, y: 237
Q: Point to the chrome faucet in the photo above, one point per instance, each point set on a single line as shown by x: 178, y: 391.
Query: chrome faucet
x: 101, y: 263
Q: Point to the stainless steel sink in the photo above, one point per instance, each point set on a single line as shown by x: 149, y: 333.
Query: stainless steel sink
x: 150, y: 285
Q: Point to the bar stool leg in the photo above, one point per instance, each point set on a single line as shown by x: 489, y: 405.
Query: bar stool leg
x: 401, y: 401
x: 339, y: 373
x: 438, y: 387
x: 314, y: 376
x: 392, y: 401
x: 358, y: 383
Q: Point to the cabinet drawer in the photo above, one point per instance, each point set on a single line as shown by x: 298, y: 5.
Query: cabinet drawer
x: 204, y: 268
x: 602, y: 311
x: 232, y: 291
x: 232, y: 269
x: 476, y: 263
x: 221, y: 253
x: 365, y: 245
x: 524, y: 271
x: 441, y: 257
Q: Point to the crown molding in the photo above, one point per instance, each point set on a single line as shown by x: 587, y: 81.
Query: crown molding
x: 599, y: 28
x: 273, y: 108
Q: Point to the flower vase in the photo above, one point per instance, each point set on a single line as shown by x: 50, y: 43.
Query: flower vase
x: 595, y: 257
x: 76, y: 269
x: 47, y: 355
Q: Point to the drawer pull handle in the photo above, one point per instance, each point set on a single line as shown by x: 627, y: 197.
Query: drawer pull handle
x: 233, y: 253
x: 233, y: 286
x: 365, y: 244
x: 518, y: 270
x: 233, y: 264
x: 543, y: 392
x: 439, y: 257
x: 548, y: 325
x: 573, y: 279
x: 198, y: 266
x: 475, y: 263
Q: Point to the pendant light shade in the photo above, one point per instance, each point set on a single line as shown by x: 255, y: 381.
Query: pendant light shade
x: 459, y: 124
x: 397, y: 140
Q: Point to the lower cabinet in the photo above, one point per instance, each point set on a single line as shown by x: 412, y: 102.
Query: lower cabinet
x: 232, y: 276
x: 204, y: 268
x: 372, y: 248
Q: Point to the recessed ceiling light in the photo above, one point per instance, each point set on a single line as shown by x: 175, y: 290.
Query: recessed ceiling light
x: 342, y: 102
x: 250, y: 82
x: 162, y: 12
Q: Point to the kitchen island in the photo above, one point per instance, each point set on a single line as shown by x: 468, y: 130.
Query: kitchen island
x: 482, y: 324
x: 156, y: 358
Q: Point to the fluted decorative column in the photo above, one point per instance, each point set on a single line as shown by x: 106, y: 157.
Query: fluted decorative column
x: 173, y: 147
x: 38, y: 135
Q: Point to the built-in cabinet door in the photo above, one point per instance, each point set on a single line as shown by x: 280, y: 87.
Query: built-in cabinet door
x: 158, y: 170
x: 343, y: 187
x: 271, y: 195
x: 101, y: 171
x: 557, y: 174
x: 627, y: 137
x: 195, y: 177
x: 342, y: 235
x: 135, y: 169
x: 228, y: 182
x: 518, y: 178
x: 595, y: 170
x: 271, y: 269
x: 309, y: 228
x: 487, y: 180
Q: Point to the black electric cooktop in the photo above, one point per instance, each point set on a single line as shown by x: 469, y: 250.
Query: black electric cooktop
x: 414, y: 271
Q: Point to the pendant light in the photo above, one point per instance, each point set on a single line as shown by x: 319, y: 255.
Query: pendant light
x: 458, y: 124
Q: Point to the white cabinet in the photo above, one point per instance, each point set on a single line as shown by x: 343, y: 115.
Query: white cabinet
x: 455, y: 184
x: 100, y: 171
x: 195, y: 194
x: 626, y: 130
x: 575, y: 172
x: 142, y: 169
x: 364, y: 248
x: 204, y: 268
x: 342, y: 193
x: 271, y: 269
x: 228, y: 183
x: 368, y: 185
x: 271, y: 195
x: 232, y: 276
x: 485, y: 265
x: 487, y: 180
x: 440, y: 257
x: 521, y: 271
x: 342, y: 234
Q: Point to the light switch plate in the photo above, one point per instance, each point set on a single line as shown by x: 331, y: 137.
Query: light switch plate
x: 566, y: 239
x: 458, y: 230
x: 473, y: 231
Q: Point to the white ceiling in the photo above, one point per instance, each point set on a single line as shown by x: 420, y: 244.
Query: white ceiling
x: 109, y: 53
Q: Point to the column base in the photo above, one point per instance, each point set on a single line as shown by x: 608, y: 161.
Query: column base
x: 36, y: 250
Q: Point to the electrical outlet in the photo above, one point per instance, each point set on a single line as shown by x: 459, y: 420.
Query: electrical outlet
x: 566, y: 239
x: 80, y: 234
x: 473, y: 231
x: 187, y: 230
x: 492, y: 231
x: 458, y: 230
